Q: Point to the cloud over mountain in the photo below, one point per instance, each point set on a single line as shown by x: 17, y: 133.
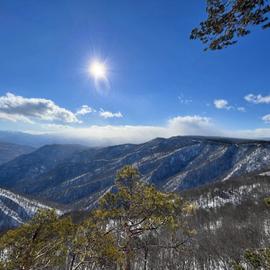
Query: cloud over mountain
x: 118, y: 134
x: 187, y: 125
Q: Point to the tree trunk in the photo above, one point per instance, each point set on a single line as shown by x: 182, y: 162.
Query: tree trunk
x: 128, y: 259
x: 72, y: 262
x: 145, y: 258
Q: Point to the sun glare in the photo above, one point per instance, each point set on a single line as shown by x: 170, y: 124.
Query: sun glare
x: 98, y: 70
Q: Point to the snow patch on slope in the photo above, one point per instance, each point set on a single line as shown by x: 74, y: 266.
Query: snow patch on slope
x: 232, y: 196
x: 12, y: 205
x: 254, y: 161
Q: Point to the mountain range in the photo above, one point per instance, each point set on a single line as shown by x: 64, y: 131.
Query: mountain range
x: 75, y: 176
x: 227, y: 180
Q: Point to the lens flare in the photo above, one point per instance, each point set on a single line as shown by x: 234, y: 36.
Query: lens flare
x: 98, y: 70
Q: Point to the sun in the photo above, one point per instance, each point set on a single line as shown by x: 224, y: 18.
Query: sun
x: 98, y: 70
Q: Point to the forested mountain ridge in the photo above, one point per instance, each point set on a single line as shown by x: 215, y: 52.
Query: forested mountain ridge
x: 227, y: 181
x: 77, y: 176
x: 231, y: 217
x: 36, y: 163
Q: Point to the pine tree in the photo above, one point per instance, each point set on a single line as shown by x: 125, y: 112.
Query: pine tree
x: 229, y: 20
x: 38, y: 244
x: 135, y: 210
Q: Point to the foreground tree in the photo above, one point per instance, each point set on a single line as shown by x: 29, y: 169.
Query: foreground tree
x: 137, y: 213
x: 39, y: 244
x: 132, y: 220
x: 51, y: 242
x: 94, y: 247
x: 230, y: 19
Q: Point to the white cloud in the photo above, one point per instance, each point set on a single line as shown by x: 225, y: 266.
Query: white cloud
x: 222, y: 104
x: 85, y: 109
x: 36, y: 110
x: 108, y: 114
x: 15, y: 118
x: 17, y: 108
x: 257, y: 99
x: 190, y: 125
x: 266, y: 118
x: 241, y: 109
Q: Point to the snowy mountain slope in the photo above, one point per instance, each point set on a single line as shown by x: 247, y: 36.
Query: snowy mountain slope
x: 231, y: 217
x: 16, y: 209
x: 235, y: 191
x: 79, y: 176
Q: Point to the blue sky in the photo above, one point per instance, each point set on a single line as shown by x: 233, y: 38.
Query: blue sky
x: 158, y: 80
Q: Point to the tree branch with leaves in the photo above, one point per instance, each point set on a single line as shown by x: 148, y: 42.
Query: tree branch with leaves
x: 228, y: 20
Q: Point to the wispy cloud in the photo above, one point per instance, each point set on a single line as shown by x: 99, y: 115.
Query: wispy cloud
x: 241, y: 109
x: 17, y: 108
x: 85, y: 109
x: 184, y: 100
x: 257, y: 99
x: 223, y: 104
x: 108, y: 114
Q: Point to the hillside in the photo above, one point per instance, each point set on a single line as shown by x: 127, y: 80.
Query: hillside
x: 226, y: 179
x: 77, y: 176
x: 231, y: 217
x: 16, y: 209
x: 9, y: 151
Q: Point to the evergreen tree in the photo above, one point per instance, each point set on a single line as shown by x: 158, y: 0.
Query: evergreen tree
x: 229, y: 20
x: 135, y: 210
x: 36, y: 245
